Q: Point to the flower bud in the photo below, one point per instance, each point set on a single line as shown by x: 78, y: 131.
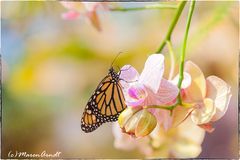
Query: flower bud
x: 137, y: 122
x: 126, y: 115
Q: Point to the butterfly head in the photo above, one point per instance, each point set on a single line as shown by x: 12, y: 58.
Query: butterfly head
x: 111, y: 70
x: 113, y: 73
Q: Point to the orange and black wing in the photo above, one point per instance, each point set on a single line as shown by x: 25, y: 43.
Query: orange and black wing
x: 89, y: 121
x: 105, y: 104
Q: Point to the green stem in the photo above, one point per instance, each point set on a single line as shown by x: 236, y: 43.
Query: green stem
x: 172, y: 26
x: 207, y: 24
x: 172, y: 60
x: 183, y: 52
x: 161, y: 107
x: 155, y: 6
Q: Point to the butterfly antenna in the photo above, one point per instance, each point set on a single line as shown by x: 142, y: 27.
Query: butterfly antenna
x: 115, y: 58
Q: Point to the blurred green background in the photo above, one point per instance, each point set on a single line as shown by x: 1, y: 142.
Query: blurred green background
x: 51, y: 66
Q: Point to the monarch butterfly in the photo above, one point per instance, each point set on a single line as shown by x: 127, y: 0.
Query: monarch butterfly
x: 105, y: 104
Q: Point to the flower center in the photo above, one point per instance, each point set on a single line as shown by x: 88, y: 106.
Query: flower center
x: 137, y: 92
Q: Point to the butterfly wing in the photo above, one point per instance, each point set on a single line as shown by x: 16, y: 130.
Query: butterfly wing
x: 89, y: 121
x: 104, y: 105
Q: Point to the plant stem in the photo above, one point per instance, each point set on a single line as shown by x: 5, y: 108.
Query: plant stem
x: 172, y: 26
x: 160, y: 107
x: 208, y: 23
x: 182, y: 60
x: 155, y: 6
x: 172, y: 60
x: 179, y: 101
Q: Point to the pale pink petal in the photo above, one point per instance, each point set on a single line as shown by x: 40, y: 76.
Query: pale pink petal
x: 153, y: 71
x: 70, y: 15
x: 219, y: 91
x: 197, y: 90
x: 151, y: 99
x: 129, y: 74
x: 163, y: 117
x: 128, y: 77
x: 167, y: 92
x: 158, y: 114
x: 186, y: 80
x: 134, y: 103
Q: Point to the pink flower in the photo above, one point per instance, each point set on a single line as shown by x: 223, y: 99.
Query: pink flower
x: 85, y: 9
x: 210, y: 97
x: 149, y: 88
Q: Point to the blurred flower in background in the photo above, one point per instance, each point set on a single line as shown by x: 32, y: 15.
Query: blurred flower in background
x: 84, y: 9
x: 183, y: 141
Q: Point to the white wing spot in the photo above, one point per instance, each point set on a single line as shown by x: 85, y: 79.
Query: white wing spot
x: 89, y: 111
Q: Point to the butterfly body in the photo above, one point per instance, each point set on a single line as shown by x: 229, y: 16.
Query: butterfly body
x: 105, y: 104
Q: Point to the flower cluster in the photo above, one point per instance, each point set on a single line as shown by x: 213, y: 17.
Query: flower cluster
x: 147, y: 89
x: 164, y: 117
x: 210, y: 97
x: 154, y: 111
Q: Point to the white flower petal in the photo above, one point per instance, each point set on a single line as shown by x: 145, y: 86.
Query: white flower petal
x: 197, y: 90
x: 219, y: 91
x: 186, y: 80
x: 167, y: 92
x: 128, y: 76
x: 153, y: 71
x: 163, y: 117
x: 129, y: 73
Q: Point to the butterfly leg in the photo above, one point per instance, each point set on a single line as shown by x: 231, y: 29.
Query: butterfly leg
x: 127, y: 81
